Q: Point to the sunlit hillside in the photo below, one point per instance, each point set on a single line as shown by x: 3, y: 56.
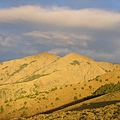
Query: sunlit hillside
x: 46, y: 83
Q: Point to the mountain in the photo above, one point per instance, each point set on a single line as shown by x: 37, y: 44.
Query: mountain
x: 45, y: 82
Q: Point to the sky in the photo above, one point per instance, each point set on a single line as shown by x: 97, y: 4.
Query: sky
x: 86, y: 27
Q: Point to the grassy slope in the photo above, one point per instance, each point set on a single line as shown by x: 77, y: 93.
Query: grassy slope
x: 41, y: 102
x: 103, y: 107
x: 29, y: 98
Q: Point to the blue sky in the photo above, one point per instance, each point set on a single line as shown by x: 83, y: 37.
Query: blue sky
x: 74, y: 4
x: 87, y: 27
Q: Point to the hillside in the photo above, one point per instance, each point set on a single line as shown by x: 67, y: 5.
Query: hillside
x: 103, y: 107
x: 49, y: 70
x: 27, y: 84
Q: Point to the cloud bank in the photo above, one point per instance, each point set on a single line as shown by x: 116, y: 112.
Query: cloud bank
x: 60, y: 16
x: 28, y: 30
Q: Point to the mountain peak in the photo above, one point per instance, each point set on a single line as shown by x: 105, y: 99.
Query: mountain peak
x: 78, y: 56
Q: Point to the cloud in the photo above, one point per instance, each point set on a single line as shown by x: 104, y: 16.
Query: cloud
x: 28, y: 30
x: 91, y: 18
x: 58, y: 38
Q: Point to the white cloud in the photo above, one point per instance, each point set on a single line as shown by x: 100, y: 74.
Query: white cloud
x: 58, y: 38
x: 37, y: 34
x: 92, y: 18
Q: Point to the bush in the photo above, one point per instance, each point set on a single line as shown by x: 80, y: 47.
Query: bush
x: 57, y: 98
x: 90, y: 86
x: 100, y: 80
x: 1, y: 109
x: 74, y: 88
x: 75, y: 98
x: 75, y: 62
x: 53, y: 89
x: 82, y: 88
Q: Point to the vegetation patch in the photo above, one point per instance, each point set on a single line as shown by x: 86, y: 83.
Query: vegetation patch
x: 107, y: 88
x: 75, y: 98
x: 5, y: 67
x: 57, y: 98
x: 53, y: 89
x: 34, y: 77
x: 21, y: 67
x: 75, y: 62
x: 1, y: 109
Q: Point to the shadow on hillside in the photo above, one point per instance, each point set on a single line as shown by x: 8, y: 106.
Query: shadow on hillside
x: 95, y: 105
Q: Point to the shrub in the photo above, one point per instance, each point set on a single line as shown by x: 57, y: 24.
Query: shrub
x: 1, y: 109
x: 57, y: 98
x: 6, y: 101
x: 88, y: 63
x: 75, y: 98
x: 90, y: 86
x: 53, y: 89
x: 25, y: 102
x: 106, y: 79
x: 100, y: 80
x: 74, y: 88
x: 75, y: 62
x: 118, y: 77
x: 82, y: 88
x: 23, y: 114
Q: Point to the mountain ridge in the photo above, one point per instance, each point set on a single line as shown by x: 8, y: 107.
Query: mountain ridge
x: 45, y: 81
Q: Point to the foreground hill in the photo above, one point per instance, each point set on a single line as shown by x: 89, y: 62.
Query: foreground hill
x: 103, y: 107
x: 46, y: 82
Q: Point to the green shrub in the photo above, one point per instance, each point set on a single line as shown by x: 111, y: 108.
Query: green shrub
x: 100, y: 80
x: 36, y: 93
x: 1, y: 109
x: 75, y: 98
x: 74, y: 88
x: 82, y: 88
x: 88, y: 63
x: 118, y: 77
x: 90, y: 86
x: 75, y: 62
x: 57, y: 98
x: 25, y: 102
x: 23, y: 114
x: 53, y: 89
x: 6, y: 101
x: 106, y: 79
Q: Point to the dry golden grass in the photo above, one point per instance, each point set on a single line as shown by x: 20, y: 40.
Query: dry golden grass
x: 51, y: 82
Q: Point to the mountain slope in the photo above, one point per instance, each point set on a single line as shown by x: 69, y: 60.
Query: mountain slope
x: 42, y: 82
x: 16, y: 70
